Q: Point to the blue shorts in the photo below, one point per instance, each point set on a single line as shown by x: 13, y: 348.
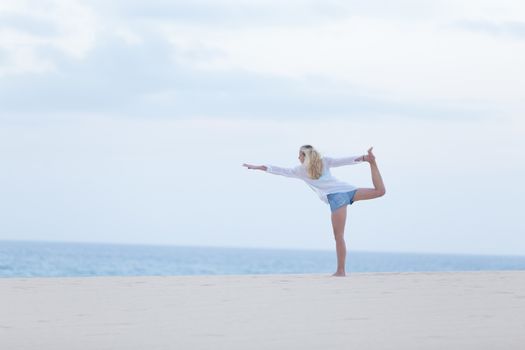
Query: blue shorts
x: 339, y: 199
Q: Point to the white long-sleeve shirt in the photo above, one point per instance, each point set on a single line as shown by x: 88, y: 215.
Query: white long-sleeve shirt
x: 327, y: 183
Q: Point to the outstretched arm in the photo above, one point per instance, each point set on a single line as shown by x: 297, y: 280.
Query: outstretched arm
x: 272, y: 169
x: 255, y: 167
x: 335, y: 162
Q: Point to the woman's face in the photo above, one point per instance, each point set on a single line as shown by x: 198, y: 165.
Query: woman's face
x: 301, y: 157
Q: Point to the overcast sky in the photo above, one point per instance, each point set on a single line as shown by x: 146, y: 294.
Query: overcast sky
x: 127, y: 121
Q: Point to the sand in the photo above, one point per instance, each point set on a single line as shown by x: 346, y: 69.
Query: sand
x: 455, y: 310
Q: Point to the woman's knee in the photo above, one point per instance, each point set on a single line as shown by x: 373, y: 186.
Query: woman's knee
x: 339, y: 237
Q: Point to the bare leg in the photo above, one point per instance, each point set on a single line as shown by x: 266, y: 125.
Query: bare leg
x: 338, y: 224
x: 379, y: 187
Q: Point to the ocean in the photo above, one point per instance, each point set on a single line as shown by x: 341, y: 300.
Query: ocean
x: 61, y: 259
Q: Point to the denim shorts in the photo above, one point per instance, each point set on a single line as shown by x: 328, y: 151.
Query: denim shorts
x: 339, y: 199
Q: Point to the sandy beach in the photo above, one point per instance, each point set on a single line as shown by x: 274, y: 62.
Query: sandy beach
x: 456, y: 310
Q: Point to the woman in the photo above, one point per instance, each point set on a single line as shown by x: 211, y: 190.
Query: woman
x: 315, y: 171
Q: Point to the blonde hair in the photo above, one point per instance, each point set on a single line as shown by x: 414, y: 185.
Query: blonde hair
x: 312, y: 161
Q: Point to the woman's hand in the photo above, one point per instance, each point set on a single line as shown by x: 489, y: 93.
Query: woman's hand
x: 255, y: 167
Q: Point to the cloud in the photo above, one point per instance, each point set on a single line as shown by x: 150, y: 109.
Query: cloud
x: 28, y: 28
x: 145, y: 80
x: 256, y: 13
x: 252, y: 59
x: 29, y: 25
x: 393, y: 59
x: 510, y: 29
x: 227, y: 13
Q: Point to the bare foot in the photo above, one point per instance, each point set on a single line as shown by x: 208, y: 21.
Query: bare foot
x: 339, y: 274
x: 370, y: 157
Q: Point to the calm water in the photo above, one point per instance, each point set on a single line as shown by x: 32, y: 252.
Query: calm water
x: 45, y: 259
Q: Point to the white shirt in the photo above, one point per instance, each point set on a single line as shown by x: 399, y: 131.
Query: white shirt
x: 327, y: 183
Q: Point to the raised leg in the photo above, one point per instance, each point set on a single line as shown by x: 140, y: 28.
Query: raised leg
x: 379, y: 187
x: 338, y: 224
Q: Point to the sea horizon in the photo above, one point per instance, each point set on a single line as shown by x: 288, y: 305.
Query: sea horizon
x: 30, y: 258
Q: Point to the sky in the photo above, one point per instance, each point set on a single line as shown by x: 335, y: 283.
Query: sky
x: 128, y: 121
